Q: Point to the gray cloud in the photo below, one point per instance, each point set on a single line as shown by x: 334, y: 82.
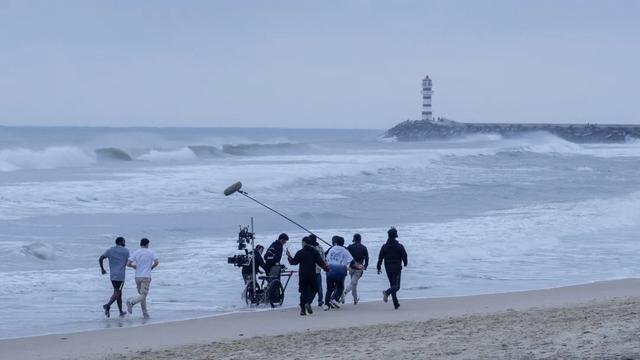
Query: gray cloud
x: 331, y: 64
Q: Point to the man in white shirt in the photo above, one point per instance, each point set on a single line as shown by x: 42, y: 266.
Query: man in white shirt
x: 143, y: 261
x: 338, y: 259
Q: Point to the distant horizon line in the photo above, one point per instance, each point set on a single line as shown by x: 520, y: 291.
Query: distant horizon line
x: 180, y: 127
x: 301, y: 128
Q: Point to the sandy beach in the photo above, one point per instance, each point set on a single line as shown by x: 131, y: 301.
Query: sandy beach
x: 598, y: 320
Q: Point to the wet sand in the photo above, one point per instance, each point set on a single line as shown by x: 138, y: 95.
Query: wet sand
x: 598, y: 320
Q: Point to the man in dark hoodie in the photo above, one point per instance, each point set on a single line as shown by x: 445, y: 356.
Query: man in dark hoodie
x: 356, y: 269
x: 314, y: 241
x: 394, y: 255
x: 308, y: 258
x: 274, y: 254
x: 257, y: 262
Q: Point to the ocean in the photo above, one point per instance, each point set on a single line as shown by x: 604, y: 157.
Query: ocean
x: 479, y: 214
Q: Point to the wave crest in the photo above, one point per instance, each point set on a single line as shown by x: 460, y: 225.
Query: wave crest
x: 48, y: 158
x: 265, y: 149
x: 112, y: 154
x: 39, y: 251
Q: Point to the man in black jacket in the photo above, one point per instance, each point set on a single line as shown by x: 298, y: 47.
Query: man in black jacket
x: 358, y: 266
x: 274, y: 253
x: 394, y: 255
x: 307, y: 257
x: 257, y: 261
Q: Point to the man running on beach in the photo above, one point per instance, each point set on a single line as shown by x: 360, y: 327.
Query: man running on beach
x: 356, y: 269
x: 314, y: 241
x: 308, y: 258
x: 394, y: 255
x: 143, y: 260
x: 117, y: 256
x: 338, y: 258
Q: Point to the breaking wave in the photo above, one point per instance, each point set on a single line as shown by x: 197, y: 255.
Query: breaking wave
x: 477, y: 138
x: 183, y: 154
x: 205, y: 151
x: 112, y: 154
x: 265, y: 149
x: 70, y: 156
x: 48, y: 158
x: 542, y: 143
x: 631, y: 140
x: 39, y: 251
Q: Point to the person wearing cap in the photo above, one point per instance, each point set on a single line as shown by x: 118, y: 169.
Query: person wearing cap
x: 274, y: 253
x: 307, y: 258
x: 338, y: 259
x: 394, y: 256
x: 357, y: 267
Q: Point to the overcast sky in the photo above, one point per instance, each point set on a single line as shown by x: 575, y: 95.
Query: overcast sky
x: 319, y: 64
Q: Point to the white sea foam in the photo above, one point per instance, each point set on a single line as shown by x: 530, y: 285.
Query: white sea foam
x: 478, y: 215
x: 478, y: 138
x: 178, y: 155
x: 541, y: 142
x: 48, y: 158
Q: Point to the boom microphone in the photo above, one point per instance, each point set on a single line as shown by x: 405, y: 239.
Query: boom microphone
x: 233, y: 188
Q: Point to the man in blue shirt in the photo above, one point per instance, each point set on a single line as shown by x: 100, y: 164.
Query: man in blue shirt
x: 118, y: 256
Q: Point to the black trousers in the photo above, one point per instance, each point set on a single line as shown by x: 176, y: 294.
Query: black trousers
x: 307, y: 289
x: 394, y: 285
x: 318, y: 290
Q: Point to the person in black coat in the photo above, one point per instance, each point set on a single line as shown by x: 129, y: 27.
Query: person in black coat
x: 307, y: 257
x: 257, y: 261
x: 394, y: 256
x: 274, y: 254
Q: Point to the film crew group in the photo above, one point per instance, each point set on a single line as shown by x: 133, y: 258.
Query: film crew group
x: 337, y: 262
x: 142, y: 260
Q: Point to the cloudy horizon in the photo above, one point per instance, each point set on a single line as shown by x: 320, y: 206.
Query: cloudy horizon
x: 286, y: 64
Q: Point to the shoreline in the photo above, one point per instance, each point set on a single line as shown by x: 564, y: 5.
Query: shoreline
x: 95, y: 344
x: 138, y: 322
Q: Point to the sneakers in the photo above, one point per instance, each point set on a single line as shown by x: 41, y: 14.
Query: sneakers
x: 129, y: 306
x: 123, y: 314
x: 320, y: 303
x: 342, y: 298
x: 308, y: 308
x: 334, y: 304
x: 302, y: 311
x: 355, y: 301
x: 385, y: 296
x: 146, y: 316
x: 396, y: 306
x: 106, y: 308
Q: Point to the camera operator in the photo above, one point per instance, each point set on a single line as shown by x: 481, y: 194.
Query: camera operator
x: 274, y: 254
x: 257, y: 261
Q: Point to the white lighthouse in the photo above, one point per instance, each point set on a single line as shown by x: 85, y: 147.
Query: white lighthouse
x: 427, y: 91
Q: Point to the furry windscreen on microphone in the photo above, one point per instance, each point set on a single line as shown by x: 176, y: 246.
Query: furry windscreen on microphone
x: 233, y: 188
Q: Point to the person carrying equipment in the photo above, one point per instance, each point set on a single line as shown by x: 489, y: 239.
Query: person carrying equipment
x: 274, y: 254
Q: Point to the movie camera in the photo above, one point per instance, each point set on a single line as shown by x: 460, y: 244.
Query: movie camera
x: 245, y: 237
